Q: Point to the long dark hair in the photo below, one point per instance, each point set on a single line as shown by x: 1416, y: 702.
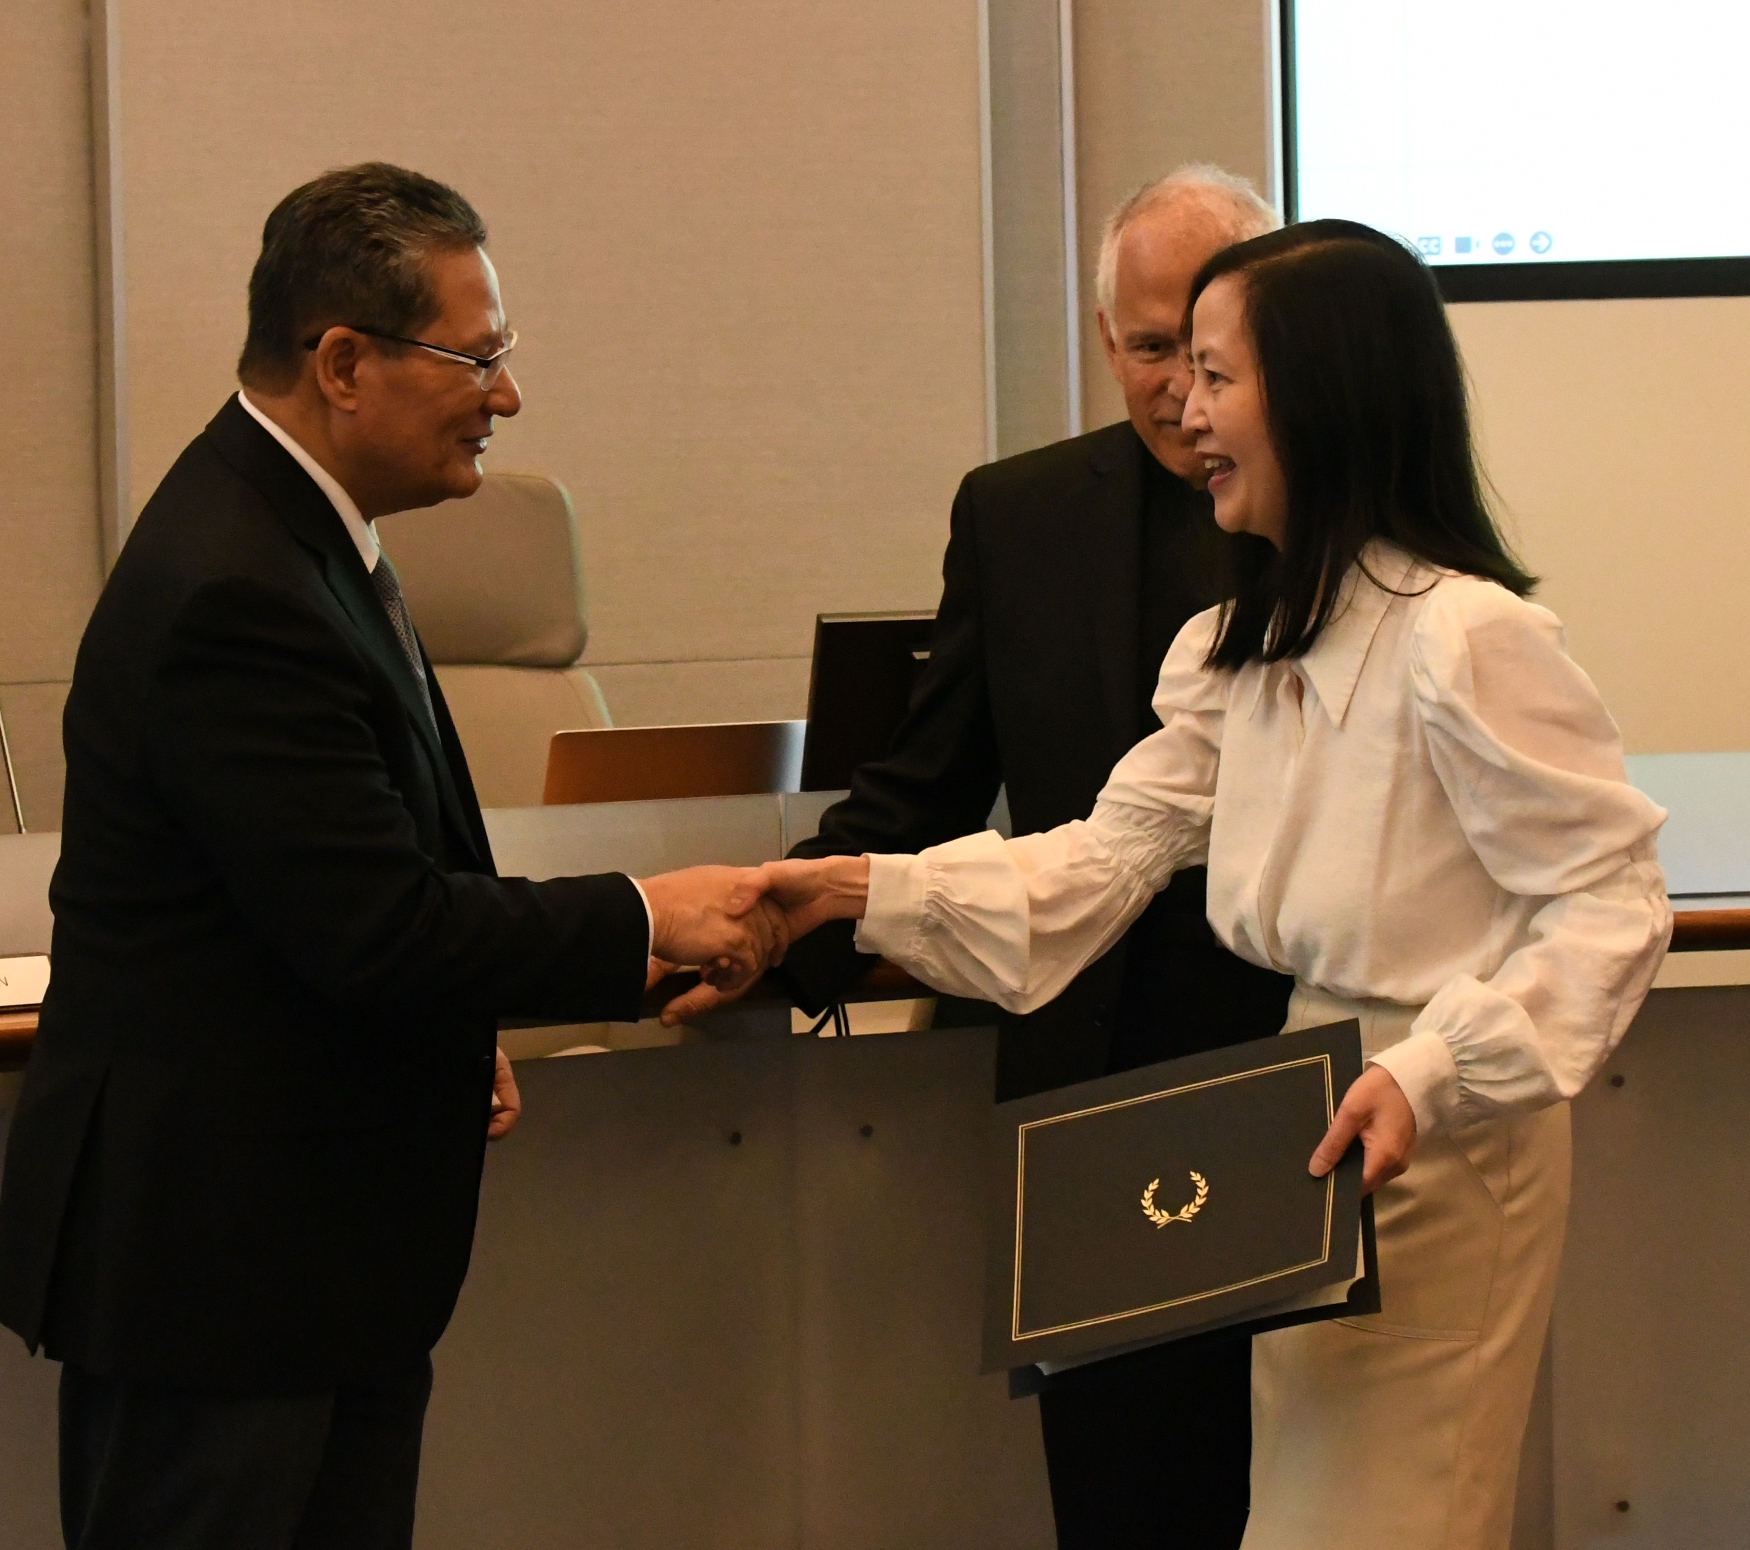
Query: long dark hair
x: 1364, y: 398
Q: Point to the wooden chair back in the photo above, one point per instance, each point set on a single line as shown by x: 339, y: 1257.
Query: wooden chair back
x: 640, y: 764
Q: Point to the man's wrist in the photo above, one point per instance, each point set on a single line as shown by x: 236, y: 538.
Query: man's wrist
x: 649, y: 917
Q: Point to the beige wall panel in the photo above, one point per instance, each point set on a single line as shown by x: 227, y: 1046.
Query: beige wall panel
x: 49, y: 556
x: 1614, y: 431
x: 1159, y: 82
x: 657, y: 694
x: 743, y: 244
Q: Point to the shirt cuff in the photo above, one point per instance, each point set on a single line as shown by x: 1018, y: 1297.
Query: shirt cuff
x: 894, y: 909
x: 1423, y: 1067
x: 649, y: 919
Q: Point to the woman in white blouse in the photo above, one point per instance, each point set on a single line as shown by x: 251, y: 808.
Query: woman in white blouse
x: 1409, y: 797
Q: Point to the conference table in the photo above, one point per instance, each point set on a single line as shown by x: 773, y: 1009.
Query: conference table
x: 1700, y: 790
x: 727, y: 1285
x: 1715, y: 927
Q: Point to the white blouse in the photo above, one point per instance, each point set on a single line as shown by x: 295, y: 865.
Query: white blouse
x: 1429, y: 808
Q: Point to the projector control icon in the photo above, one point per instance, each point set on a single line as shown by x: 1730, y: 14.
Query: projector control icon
x: 1541, y: 242
x: 1503, y: 243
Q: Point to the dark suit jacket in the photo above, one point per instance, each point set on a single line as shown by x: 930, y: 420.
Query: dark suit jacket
x: 1033, y: 683
x: 247, y: 1152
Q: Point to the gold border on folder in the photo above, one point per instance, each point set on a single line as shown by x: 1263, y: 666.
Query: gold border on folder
x: 1017, y: 1333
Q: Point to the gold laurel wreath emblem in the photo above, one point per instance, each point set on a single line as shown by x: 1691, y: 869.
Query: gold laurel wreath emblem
x: 1184, y: 1214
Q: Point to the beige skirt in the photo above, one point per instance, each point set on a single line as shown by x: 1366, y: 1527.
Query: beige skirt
x: 1402, y: 1431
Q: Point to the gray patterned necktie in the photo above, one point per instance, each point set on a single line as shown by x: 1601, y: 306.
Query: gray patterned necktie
x: 388, y: 588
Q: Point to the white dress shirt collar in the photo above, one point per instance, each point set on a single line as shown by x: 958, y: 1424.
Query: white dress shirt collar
x: 362, y: 533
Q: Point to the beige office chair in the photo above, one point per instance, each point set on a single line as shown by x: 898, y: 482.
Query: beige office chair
x: 495, y: 586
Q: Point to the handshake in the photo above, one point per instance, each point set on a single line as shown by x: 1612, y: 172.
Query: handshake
x: 734, y: 923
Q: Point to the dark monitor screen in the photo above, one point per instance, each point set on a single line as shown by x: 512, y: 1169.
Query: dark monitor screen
x: 865, y: 667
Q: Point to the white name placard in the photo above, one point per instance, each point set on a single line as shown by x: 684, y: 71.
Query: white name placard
x: 23, y: 982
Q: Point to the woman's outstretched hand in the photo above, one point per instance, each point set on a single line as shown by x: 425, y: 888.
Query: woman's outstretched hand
x: 808, y: 892
x: 803, y: 893
x: 1376, y: 1110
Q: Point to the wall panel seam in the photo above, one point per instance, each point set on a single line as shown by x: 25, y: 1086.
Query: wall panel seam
x: 987, y: 216
x: 115, y: 505
x: 1072, y: 268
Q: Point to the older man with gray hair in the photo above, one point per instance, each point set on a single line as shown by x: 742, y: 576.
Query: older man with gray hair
x: 1069, y: 571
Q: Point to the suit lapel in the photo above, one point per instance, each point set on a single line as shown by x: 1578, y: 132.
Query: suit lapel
x: 317, y: 526
x: 350, y: 583
x: 1111, y: 545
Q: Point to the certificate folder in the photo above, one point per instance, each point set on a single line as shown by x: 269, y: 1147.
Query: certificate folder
x: 1174, y: 1199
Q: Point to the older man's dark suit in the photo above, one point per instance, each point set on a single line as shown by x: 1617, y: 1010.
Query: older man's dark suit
x: 247, y: 1152
x: 1057, y: 603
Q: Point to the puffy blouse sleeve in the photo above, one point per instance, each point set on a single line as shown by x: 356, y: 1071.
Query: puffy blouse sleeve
x: 1533, y: 767
x: 1014, y: 921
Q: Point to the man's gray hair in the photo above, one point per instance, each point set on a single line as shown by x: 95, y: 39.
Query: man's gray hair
x: 1228, y: 204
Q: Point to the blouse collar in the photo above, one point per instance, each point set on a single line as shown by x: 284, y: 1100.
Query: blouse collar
x: 1383, y: 574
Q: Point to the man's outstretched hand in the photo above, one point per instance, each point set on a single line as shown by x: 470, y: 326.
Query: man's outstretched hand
x: 797, y: 896
x: 507, y: 1100
x: 693, y: 922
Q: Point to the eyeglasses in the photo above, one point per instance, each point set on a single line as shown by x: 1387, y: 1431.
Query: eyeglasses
x: 487, y: 368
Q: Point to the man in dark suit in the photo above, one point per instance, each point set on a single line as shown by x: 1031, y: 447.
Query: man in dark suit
x: 1069, y: 571
x: 241, y: 1181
